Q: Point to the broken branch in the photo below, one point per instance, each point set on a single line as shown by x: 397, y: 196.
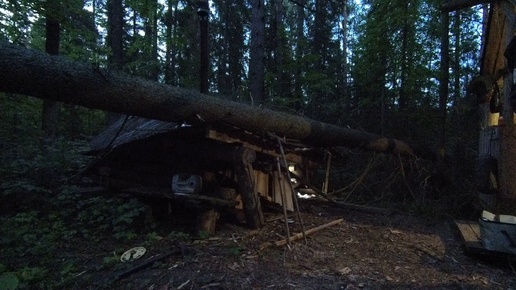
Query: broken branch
x: 298, y: 236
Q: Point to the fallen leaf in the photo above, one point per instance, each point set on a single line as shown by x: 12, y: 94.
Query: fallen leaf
x: 345, y: 270
x: 234, y: 266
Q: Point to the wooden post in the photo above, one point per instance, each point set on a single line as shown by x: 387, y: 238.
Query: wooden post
x: 207, y: 221
x: 243, y: 159
x: 283, y: 199
x: 327, y: 178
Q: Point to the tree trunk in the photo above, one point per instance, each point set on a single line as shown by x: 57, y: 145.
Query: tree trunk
x: 33, y: 73
x: 403, y: 97
x: 204, y: 56
x: 115, y: 42
x: 344, y: 106
x: 456, y: 67
x: 115, y: 32
x: 50, y: 110
x: 300, y: 40
x: 319, y: 96
x: 169, y: 55
x: 74, y: 125
x: 444, y: 79
x: 256, y: 62
x: 154, y: 75
x: 281, y: 86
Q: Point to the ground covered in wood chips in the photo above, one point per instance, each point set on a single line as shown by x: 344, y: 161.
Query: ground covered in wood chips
x: 364, y: 251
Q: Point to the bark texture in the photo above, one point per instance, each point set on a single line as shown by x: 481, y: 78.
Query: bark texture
x: 257, y: 54
x: 115, y: 42
x: 50, y: 110
x: 33, y: 73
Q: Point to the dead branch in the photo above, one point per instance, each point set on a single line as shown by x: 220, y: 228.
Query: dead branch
x: 298, y: 236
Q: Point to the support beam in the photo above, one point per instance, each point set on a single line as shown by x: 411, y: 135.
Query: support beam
x: 243, y: 159
x: 454, y: 5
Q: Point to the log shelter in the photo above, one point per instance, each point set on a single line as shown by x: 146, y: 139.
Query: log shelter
x: 492, y: 89
x: 237, y: 168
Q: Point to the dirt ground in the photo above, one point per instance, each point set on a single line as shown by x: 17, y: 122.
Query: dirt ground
x: 364, y: 251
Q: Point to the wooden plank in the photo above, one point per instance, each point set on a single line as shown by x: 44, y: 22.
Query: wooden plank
x: 202, y: 200
x: 261, y: 182
x: 276, y: 190
x: 469, y: 230
x: 226, y: 138
x: 470, y: 233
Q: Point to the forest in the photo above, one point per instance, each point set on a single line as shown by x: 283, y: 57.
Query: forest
x: 373, y: 66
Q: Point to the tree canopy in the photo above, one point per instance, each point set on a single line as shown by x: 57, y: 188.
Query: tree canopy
x: 369, y: 64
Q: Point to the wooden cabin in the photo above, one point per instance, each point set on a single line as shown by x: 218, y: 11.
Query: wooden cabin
x: 215, y: 166
x: 493, y: 89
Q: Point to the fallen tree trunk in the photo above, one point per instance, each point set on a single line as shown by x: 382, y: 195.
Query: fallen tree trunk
x: 34, y: 73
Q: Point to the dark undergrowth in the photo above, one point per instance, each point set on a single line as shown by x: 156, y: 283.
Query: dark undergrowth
x: 56, y: 234
x: 413, y: 185
x: 53, y: 231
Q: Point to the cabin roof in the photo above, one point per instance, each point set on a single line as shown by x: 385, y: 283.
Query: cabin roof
x: 129, y: 129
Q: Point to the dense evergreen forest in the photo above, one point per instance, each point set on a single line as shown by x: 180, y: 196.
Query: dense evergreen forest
x: 373, y: 65
x: 370, y: 65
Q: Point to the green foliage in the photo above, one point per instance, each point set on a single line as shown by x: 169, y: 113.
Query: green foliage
x: 8, y: 281
x: 33, y: 168
x: 179, y: 236
x: 204, y: 235
x: 43, y: 213
x: 32, y: 241
x: 151, y: 238
x: 98, y: 216
x: 29, y: 241
x: 111, y: 260
x: 235, y: 251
